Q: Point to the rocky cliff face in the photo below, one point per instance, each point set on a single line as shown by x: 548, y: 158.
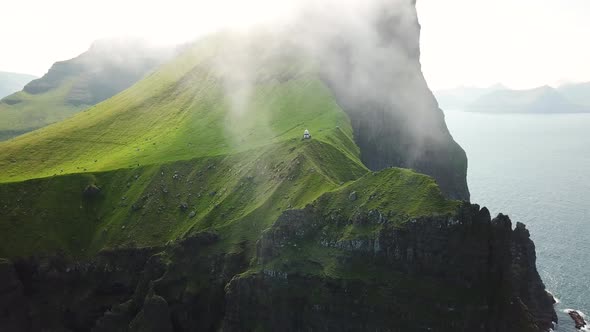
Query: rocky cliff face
x: 443, y: 274
x: 467, y: 273
x: 178, y: 288
x: 374, y: 70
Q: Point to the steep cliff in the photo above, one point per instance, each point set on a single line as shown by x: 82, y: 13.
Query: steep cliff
x: 375, y: 73
x: 447, y: 273
x: 467, y: 273
x: 189, y: 202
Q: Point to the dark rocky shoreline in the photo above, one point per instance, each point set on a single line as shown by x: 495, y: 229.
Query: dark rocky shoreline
x: 577, y: 318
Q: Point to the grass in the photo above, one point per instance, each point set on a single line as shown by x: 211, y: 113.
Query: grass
x: 236, y: 195
x: 176, y: 137
x: 395, y: 190
x: 384, y: 201
x: 183, y: 152
x: 159, y: 121
x: 22, y: 112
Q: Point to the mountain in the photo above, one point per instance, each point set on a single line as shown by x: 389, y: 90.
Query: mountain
x: 577, y: 93
x: 191, y: 201
x: 107, y: 68
x: 539, y: 100
x: 12, y: 82
x: 461, y: 97
x: 499, y: 99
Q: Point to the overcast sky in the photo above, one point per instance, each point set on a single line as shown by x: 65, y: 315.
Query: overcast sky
x: 521, y: 43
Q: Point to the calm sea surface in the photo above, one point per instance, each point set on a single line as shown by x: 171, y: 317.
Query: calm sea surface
x: 536, y: 169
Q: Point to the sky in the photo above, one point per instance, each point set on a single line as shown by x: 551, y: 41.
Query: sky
x: 522, y: 44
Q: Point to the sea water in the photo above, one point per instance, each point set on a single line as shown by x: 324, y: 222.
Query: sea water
x: 536, y: 169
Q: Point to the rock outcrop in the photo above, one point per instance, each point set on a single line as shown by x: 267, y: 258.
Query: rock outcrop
x: 578, y: 319
x: 435, y: 273
x: 468, y: 273
x: 177, y: 288
x: 13, y: 304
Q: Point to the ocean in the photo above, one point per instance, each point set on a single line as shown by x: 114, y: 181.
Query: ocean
x: 536, y: 169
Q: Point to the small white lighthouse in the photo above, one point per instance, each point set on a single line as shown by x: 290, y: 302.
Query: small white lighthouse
x: 306, y: 134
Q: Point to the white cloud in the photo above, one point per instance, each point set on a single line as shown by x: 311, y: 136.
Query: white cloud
x: 464, y: 42
x: 36, y: 33
x: 521, y: 43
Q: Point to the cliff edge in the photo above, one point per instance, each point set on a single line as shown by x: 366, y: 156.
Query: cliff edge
x: 375, y: 73
x: 190, y: 202
x: 466, y: 273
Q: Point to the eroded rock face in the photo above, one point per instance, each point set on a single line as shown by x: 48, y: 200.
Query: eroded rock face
x: 72, y: 295
x: 444, y: 273
x: 13, y: 304
x: 153, y: 289
x: 579, y: 321
x: 526, y: 280
x: 467, y: 273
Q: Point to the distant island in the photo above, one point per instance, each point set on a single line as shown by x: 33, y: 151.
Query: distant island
x: 570, y: 98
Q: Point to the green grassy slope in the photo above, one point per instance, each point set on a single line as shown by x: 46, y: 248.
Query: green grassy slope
x: 106, y: 69
x: 241, y: 194
x: 22, y: 112
x: 180, y: 112
x: 179, y: 154
x: 396, y: 189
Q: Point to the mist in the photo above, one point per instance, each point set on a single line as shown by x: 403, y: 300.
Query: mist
x: 106, y: 68
x: 366, y: 52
